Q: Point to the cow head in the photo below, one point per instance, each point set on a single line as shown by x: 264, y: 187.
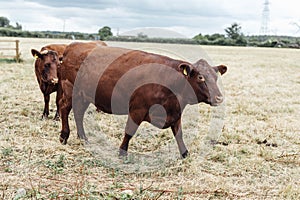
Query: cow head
x: 46, y: 65
x: 203, y: 79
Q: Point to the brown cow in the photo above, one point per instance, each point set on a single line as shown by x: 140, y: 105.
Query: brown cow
x: 46, y: 63
x: 147, y: 87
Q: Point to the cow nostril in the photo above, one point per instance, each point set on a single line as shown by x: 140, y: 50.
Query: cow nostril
x: 219, y: 99
x: 54, y: 80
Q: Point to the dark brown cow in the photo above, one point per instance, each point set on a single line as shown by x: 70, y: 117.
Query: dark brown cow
x: 147, y: 87
x: 46, y: 64
x: 47, y: 61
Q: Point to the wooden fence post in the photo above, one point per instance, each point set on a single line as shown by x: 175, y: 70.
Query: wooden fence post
x: 17, y: 51
x: 17, y: 57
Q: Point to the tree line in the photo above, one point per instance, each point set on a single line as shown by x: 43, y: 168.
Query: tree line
x: 5, y: 23
x: 233, y: 36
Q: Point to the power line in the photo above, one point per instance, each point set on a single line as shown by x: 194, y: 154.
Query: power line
x: 64, y: 25
x: 264, y: 29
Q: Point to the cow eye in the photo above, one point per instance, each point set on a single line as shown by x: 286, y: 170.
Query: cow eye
x: 201, y: 78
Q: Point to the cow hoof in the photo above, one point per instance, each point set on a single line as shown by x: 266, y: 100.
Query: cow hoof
x: 44, y: 117
x: 84, y: 141
x: 63, y: 141
x: 185, y: 154
x: 56, y: 118
x: 122, y: 153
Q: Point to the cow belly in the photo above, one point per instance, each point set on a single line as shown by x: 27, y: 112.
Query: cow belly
x: 116, y: 105
x: 161, y: 116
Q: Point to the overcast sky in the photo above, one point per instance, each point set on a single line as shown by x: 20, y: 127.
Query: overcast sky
x: 188, y: 17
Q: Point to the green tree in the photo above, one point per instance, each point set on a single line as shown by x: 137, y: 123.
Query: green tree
x: 4, y: 22
x: 215, y: 36
x: 105, y: 32
x: 18, y: 26
x: 234, y: 31
x: 142, y: 35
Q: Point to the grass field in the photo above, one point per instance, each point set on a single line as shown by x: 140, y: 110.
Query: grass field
x: 257, y: 155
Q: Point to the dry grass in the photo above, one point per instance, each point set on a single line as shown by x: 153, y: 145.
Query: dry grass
x: 261, y: 128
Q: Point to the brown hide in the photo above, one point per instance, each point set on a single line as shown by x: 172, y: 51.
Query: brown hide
x: 46, y: 63
x: 51, y: 55
x: 146, y: 86
x: 58, y: 48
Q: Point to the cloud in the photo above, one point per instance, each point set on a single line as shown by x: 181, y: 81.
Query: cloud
x: 188, y: 17
x: 92, y: 4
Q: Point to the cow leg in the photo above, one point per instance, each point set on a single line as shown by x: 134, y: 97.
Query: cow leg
x: 65, y: 106
x: 133, y: 122
x: 124, y: 146
x: 58, y: 97
x: 79, y: 108
x: 56, y: 117
x: 65, y: 131
x: 46, y: 107
x: 177, y: 131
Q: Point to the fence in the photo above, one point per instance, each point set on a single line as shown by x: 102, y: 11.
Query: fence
x: 5, y: 45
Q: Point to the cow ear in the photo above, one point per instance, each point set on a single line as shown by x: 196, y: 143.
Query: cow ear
x: 60, y: 58
x: 221, y: 68
x: 186, y: 69
x: 36, y: 54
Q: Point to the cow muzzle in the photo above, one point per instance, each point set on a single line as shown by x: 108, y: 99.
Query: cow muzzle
x: 217, y: 100
x: 54, y: 81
